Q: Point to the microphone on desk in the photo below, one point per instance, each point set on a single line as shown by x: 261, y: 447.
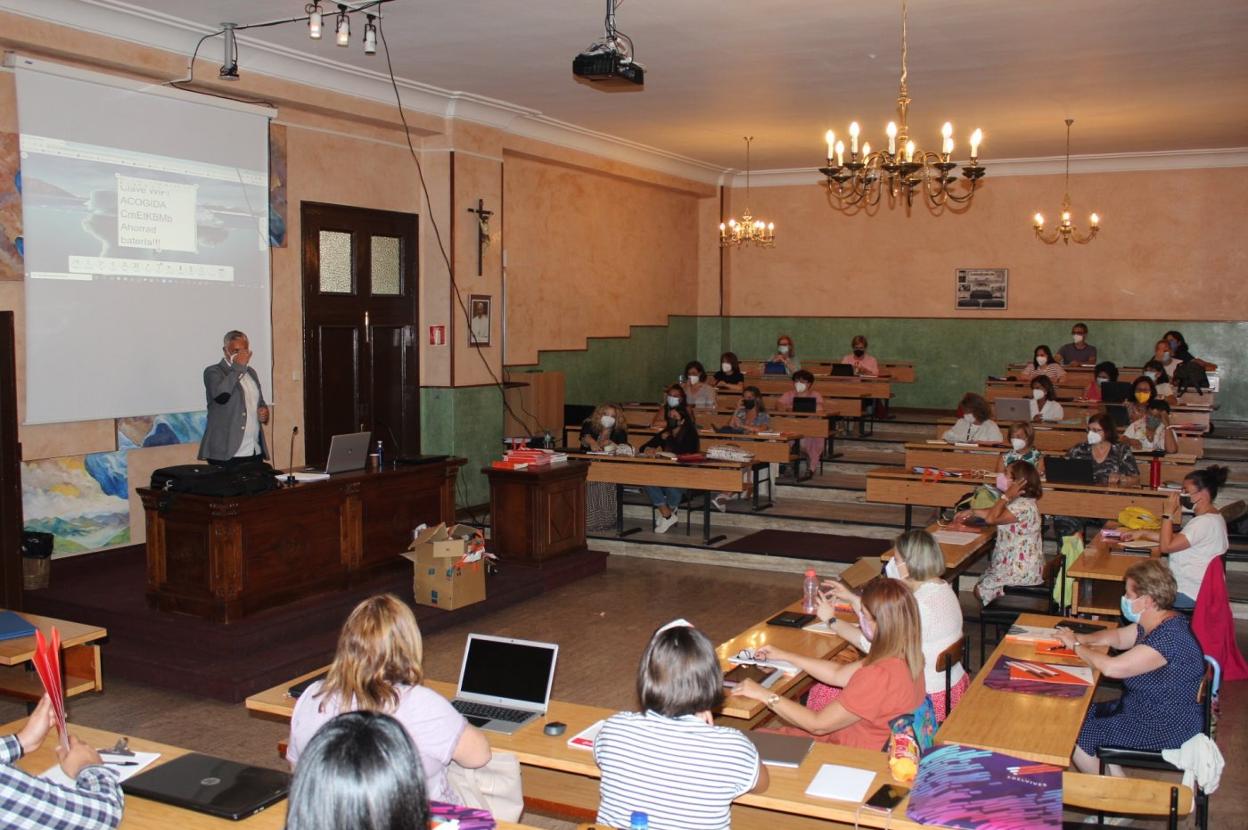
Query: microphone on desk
x: 398, y: 446
x: 290, y: 471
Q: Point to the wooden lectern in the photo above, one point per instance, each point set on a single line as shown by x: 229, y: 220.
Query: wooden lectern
x: 537, y: 513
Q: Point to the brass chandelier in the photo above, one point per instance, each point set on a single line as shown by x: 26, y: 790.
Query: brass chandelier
x: 1065, y: 230
x: 748, y: 231
x: 904, y: 168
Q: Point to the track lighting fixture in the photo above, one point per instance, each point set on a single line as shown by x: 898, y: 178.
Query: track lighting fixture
x: 370, y: 35
x: 229, y: 65
x: 315, y: 19
x: 344, y: 26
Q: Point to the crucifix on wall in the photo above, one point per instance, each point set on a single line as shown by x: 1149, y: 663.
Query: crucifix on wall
x: 483, y: 233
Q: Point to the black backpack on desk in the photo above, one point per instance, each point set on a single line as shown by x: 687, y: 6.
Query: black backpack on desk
x: 210, y: 480
x: 1190, y: 375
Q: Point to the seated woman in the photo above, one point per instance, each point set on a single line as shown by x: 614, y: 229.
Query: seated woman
x: 976, y: 425
x: 864, y: 364
x: 604, y: 429
x: 1042, y: 363
x: 1200, y: 541
x: 698, y: 393
x: 670, y: 759
x: 803, y: 387
x: 673, y: 397
x: 1143, y: 392
x: 359, y: 770
x: 1158, y: 374
x: 1163, y: 354
x: 729, y: 377
x: 1018, y: 556
x: 920, y: 564
x: 786, y: 354
x: 751, y: 416
x: 1022, y: 448
x: 1113, y: 464
x: 887, y: 682
x: 1078, y: 352
x: 1179, y: 349
x: 1152, y: 433
x: 1159, y: 663
x: 1043, y: 403
x: 1104, y: 373
x: 679, y: 436
x: 377, y: 668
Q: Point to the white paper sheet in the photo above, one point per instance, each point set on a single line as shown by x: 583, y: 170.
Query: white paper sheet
x: 841, y: 783
x: 142, y: 761
x: 954, y: 537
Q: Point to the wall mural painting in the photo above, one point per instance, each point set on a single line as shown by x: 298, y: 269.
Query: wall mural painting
x: 161, y: 430
x: 277, y: 185
x: 10, y: 208
x: 80, y: 499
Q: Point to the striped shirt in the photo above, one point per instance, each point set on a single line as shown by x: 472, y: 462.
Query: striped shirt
x: 681, y: 772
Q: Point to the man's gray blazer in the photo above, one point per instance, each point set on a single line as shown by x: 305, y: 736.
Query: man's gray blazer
x: 227, y: 411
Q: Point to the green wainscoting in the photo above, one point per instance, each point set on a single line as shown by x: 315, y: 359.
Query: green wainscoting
x: 468, y: 423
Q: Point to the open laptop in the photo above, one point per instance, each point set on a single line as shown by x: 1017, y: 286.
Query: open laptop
x: 775, y: 367
x: 842, y: 370
x: 1010, y: 410
x: 803, y: 404
x: 1068, y: 470
x: 504, y: 683
x: 1119, y: 415
x: 226, y: 789
x: 1116, y: 392
x: 347, y: 453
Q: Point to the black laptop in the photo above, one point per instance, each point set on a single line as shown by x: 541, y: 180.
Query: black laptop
x: 803, y: 404
x: 1116, y: 392
x: 221, y: 788
x: 1068, y: 470
x: 842, y: 370
x: 1119, y: 415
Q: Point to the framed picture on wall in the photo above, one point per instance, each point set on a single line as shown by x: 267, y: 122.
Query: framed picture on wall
x: 479, y: 306
x: 981, y: 288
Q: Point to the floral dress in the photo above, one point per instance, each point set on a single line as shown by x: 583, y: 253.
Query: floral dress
x: 1018, y: 557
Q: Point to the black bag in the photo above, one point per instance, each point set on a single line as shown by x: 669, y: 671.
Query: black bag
x: 210, y: 480
x: 1190, y: 375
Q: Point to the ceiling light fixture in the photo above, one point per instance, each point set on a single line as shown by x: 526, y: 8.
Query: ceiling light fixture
x: 229, y: 66
x: 1065, y: 230
x: 904, y: 168
x: 344, y: 26
x: 315, y: 19
x: 370, y: 35
x: 749, y: 231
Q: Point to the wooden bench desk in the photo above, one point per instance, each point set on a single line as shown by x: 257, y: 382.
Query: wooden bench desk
x: 774, y: 449
x: 1060, y: 436
x: 1198, y: 417
x: 1086, y: 374
x: 1174, y: 466
x: 80, y: 659
x: 829, y: 386
x: 958, y: 557
x: 997, y: 389
x: 1036, y: 727
x: 800, y: 424
x: 898, y: 371
x: 1097, y: 577
x: 842, y: 406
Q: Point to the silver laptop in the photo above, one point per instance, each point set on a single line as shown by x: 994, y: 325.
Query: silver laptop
x: 347, y: 453
x: 1009, y: 410
x: 504, y: 683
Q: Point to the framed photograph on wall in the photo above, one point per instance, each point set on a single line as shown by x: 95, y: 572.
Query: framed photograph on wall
x: 479, y: 307
x: 981, y: 289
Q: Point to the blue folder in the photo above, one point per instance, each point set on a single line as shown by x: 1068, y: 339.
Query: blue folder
x: 13, y: 625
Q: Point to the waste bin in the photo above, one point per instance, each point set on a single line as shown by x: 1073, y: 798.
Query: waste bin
x: 36, y: 560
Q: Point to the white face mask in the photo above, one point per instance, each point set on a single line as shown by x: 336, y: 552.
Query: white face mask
x: 1018, y: 444
x: 783, y: 349
x: 727, y: 367
x: 1152, y: 376
x: 1165, y: 357
x: 891, y: 570
x: 800, y: 387
x: 695, y: 380
x: 1037, y: 393
x: 607, y: 421
x: 1078, y: 338
x: 673, y: 400
x: 1041, y: 360
x: 1094, y: 438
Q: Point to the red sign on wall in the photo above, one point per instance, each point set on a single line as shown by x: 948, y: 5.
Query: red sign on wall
x: 437, y: 335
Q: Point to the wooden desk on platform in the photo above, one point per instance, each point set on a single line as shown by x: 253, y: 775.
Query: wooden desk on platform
x: 80, y: 659
x: 1098, y: 576
x: 1061, y: 436
x: 1036, y: 727
x: 225, y: 558
x: 1174, y: 466
x: 889, y: 485
x: 537, y: 513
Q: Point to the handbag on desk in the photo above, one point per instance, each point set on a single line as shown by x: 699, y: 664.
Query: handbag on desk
x: 494, y: 787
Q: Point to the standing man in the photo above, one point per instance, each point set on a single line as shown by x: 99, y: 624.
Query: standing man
x: 236, y: 407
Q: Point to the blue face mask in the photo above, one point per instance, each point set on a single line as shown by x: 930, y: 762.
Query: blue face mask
x: 1127, y: 610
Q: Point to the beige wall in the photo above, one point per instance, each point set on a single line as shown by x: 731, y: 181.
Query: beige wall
x: 1171, y: 247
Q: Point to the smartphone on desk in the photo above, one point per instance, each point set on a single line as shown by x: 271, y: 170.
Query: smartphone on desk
x: 887, y: 797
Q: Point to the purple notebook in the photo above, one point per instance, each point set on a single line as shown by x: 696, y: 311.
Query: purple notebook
x: 999, y: 678
x: 958, y: 786
x: 469, y: 818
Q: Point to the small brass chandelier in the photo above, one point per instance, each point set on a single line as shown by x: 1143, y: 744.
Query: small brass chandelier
x: 905, y: 168
x: 1065, y: 230
x: 749, y: 231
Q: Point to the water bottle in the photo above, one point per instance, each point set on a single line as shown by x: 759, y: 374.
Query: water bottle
x: 810, y: 592
x: 380, y: 457
x: 1154, y: 472
x: 638, y: 821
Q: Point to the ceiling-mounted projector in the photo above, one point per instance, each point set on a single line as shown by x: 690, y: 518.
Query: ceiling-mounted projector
x: 608, y: 63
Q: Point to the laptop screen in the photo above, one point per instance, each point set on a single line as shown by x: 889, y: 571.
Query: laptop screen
x: 517, y: 670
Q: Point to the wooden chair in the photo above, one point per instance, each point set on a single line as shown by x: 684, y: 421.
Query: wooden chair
x: 1024, y: 599
x: 1130, y: 796
x: 947, y: 660
x: 1152, y: 759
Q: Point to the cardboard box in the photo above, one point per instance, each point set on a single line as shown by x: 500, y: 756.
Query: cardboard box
x: 440, y: 578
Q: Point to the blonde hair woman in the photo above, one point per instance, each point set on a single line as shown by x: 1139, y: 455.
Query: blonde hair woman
x: 377, y: 669
x: 605, y: 428
x: 886, y: 683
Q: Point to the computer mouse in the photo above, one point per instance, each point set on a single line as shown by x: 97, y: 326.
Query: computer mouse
x: 555, y: 728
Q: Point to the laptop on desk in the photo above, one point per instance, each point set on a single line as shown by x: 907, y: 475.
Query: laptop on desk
x: 221, y: 788
x: 1116, y: 392
x: 842, y: 370
x: 347, y: 453
x: 1010, y: 410
x: 775, y: 367
x: 1068, y: 470
x: 504, y: 683
x: 803, y: 404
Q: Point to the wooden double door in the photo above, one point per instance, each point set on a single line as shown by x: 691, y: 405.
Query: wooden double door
x: 360, y: 313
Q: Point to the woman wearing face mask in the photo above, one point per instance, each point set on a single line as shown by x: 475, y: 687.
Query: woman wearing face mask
x: 1042, y: 363
x: 673, y: 396
x: 679, y: 436
x: 1078, y: 352
x: 604, y: 429
x: 1152, y: 433
x: 1022, y: 448
x: 1157, y: 373
x: 729, y: 377
x: 1104, y: 373
x: 1042, y: 404
x: 1201, y: 540
x: 1112, y: 460
x: 1181, y: 352
x: 1143, y: 392
x: 803, y: 387
x: 751, y: 416
x: 1164, y: 355
x: 1018, y: 556
x: 786, y: 354
x: 1159, y: 662
x: 920, y: 565
x: 976, y: 425
x: 698, y: 393
x: 864, y: 364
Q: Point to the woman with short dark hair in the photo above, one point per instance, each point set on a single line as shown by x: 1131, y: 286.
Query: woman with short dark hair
x: 670, y: 760
x: 729, y: 377
x: 1043, y: 402
x: 1042, y: 363
x: 1105, y: 372
x: 359, y: 771
x: 698, y: 391
x: 804, y: 387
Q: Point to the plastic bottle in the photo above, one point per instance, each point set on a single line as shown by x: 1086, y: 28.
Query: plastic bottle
x: 810, y: 592
x: 638, y: 821
x: 379, y: 455
x: 1154, y: 472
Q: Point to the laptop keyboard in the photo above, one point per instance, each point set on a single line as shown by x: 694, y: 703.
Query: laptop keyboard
x: 469, y: 708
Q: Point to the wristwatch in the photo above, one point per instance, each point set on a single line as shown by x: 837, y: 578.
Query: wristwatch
x: 771, y: 700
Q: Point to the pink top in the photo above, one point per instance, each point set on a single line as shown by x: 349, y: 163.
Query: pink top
x: 786, y: 400
x: 429, y: 718
x: 865, y: 365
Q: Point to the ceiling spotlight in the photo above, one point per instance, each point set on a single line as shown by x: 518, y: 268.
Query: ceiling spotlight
x: 344, y: 26
x: 370, y: 36
x: 229, y: 65
x: 314, y: 19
